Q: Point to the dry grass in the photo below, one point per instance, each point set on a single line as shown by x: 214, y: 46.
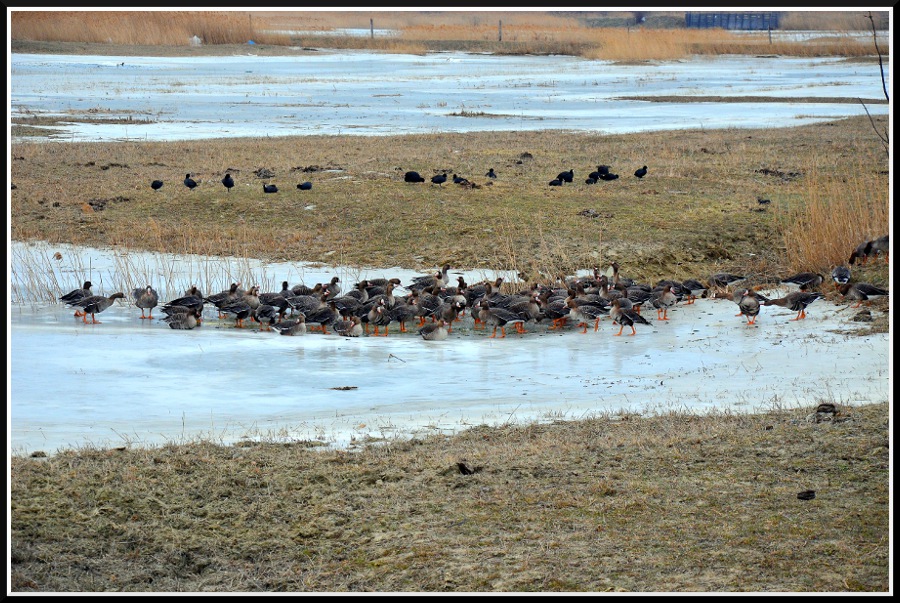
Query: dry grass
x: 831, y: 213
x: 669, y: 503
x: 534, y: 32
x: 695, y: 214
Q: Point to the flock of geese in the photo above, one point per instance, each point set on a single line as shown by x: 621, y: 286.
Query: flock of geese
x: 434, y: 304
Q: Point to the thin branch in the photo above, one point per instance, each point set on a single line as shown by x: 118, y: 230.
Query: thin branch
x: 878, y: 50
x: 884, y: 138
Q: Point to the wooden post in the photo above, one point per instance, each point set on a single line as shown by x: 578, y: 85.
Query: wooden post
x: 500, y: 31
x: 372, y: 28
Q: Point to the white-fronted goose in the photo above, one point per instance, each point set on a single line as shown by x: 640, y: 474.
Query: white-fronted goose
x: 94, y: 304
x: 146, y: 299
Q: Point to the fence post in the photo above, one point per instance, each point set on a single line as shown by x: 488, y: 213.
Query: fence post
x: 372, y: 28
x: 500, y: 31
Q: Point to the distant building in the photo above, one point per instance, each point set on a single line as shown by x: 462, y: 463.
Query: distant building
x: 745, y: 21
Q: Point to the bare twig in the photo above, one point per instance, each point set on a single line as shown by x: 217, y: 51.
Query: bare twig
x: 883, y: 135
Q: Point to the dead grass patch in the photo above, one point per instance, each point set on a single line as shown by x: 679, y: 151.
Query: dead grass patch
x: 672, y: 503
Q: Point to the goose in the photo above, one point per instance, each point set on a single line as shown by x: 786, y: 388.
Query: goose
x: 228, y: 181
x: 240, y: 309
x: 324, y: 316
x: 840, y: 275
x: 225, y: 297
x: 860, y: 253
x: 436, y: 331
x: 749, y: 305
x: 146, y: 299
x: 797, y: 301
x: 187, y: 319
x: 862, y: 292
x: 625, y: 318
x: 804, y: 280
x: 663, y: 300
x: 402, y: 313
x: 292, y: 326
x: 881, y: 245
x: 76, y: 294
x: 721, y: 280
x: 266, y: 315
x: 586, y: 312
x: 695, y: 289
x: 379, y: 316
x: 491, y: 315
x: 185, y: 301
x: 190, y: 182
x: 348, y: 327
x: 94, y: 304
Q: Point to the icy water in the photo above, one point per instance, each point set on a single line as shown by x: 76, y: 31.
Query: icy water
x: 352, y: 92
x: 129, y: 381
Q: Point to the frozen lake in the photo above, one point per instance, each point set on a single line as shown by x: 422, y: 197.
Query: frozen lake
x: 129, y: 381
x: 352, y: 92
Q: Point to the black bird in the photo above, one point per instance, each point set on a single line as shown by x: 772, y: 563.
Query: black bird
x: 491, y: 174
x: 189, y: 182
x: 556, y: 182
x: 305, y: 186
x: 641, y: 172
x: 228, y: 181
x: 413, y: 177
x: 270, y: 188
x: 590, y: 181
x: 566, y: 176
x: 762, y: 201
x: 460, y: 180
x: 440, y: 179
x: 609, y: 176
x: 156, y: 185
x: 601, y: 170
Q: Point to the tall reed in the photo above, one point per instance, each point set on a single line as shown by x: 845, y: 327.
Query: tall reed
x: 834, y: 216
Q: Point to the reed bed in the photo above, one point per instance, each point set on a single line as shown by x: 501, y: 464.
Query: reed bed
x: 832, y: 218
x: 155, y: 28
x: 577, y: 34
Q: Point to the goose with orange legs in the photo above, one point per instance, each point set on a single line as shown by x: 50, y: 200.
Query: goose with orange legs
x: 95, y: 304
x: 625, y: 318
x: 797, y: 301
